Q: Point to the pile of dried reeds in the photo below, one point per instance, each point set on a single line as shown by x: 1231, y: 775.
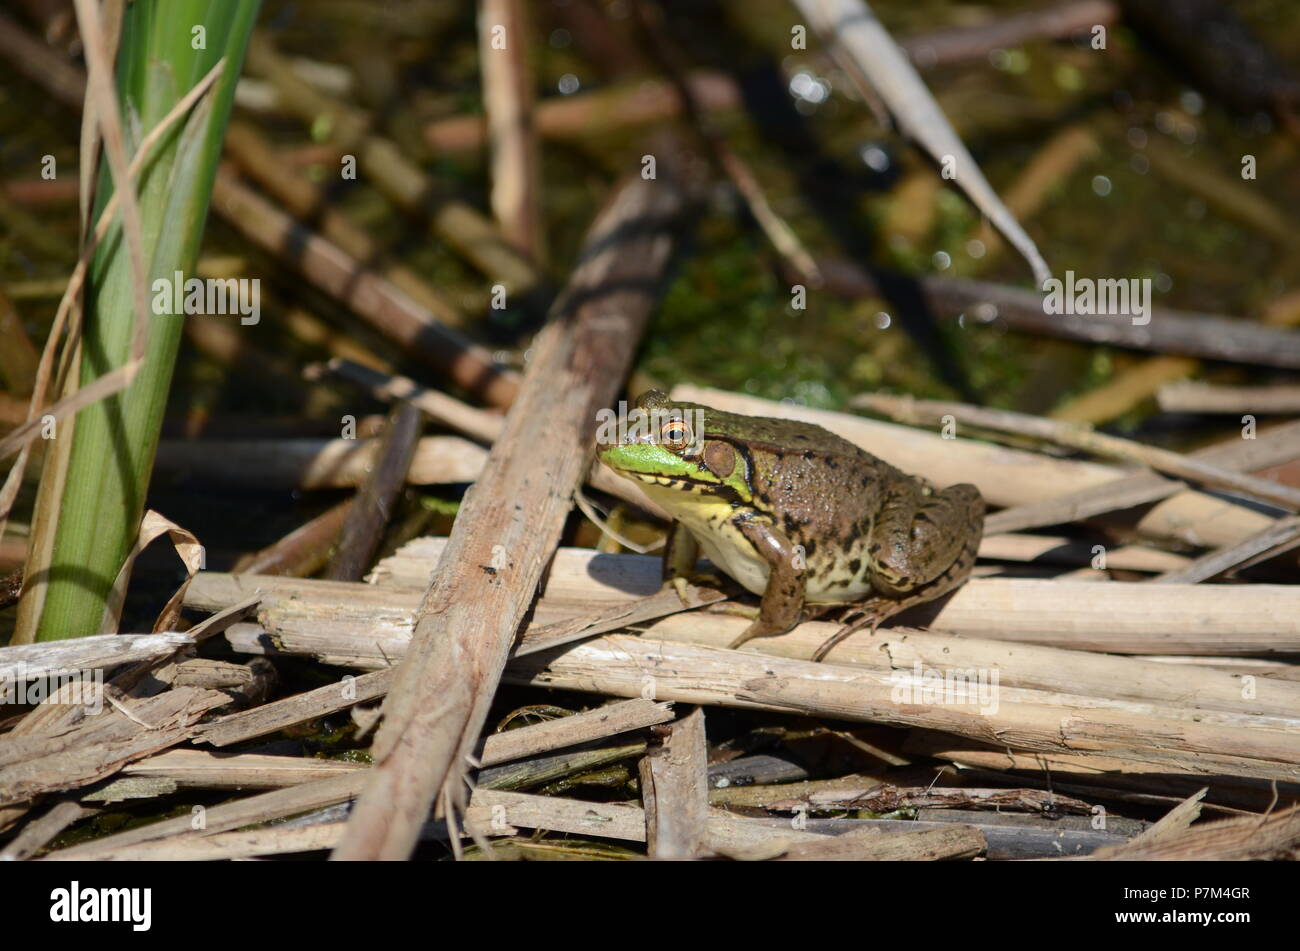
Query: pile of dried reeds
x: 1082, y: 682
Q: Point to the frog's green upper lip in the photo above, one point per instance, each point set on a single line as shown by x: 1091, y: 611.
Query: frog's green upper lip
x: 660, y: 479
x: 682, y: 483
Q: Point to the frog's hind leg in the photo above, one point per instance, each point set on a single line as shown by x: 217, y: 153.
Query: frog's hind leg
x: 874, y: 611
x: 913, y: 544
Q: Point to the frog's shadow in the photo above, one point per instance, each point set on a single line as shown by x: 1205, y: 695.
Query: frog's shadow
x: 920, y: 615
x: 642, y: 575
x: 636, y: 575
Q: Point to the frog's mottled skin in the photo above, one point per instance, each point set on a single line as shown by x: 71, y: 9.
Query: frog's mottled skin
x: 798, y: 515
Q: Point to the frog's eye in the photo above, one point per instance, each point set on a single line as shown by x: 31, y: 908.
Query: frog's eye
x: 675, y: 434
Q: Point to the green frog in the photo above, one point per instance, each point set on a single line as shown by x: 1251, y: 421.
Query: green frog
x: 796, y: 514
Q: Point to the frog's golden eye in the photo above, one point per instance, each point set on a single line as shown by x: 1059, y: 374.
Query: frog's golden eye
x: 675, y: 434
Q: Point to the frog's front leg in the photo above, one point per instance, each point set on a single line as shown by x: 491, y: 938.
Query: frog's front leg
x: 681, y: 553
x: 782, y: 601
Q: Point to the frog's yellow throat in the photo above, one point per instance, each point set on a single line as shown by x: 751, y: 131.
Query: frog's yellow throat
x: 709, y: 518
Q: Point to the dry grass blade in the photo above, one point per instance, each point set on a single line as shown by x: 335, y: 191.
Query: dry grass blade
x: 101, y: 90
x: 1282, y: 536
x: 376, y: 498
x: 865, y: 49
x: 1271, y: 447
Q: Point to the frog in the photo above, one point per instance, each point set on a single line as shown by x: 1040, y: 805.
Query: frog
x: 803, y: 518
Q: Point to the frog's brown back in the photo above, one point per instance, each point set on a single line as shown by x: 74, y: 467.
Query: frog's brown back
x: 815, y: 484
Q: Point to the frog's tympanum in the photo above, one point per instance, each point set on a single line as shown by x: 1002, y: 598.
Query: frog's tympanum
x: 796, y: 514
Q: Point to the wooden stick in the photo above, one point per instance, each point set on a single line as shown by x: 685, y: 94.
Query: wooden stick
x: 515, y: 166
x: 302, y: 552
x: 28, y: 661
x: 38, y: 833
x: 307, y: 202
x: 617, y: 664
x: 200, y: 769
x: 299, y: 708
x: 1197, y: 397
x: 1069, y: 551
x: 1212, y: 336
x: 377, y: 496
x: 854, y: 792
x: 510, y: 524
x: 225, y: 846
x: 230, y: 815
x: 35, y: 764
x: 371, y: 622
x: 582, y: 727
x: 946, y: 47
x: 1236, y: 839
x: 312, y: 463
x: 1127, y: 389
x: 494, y: 812
x: 1097, y: 776
x: 598, y: 112
x: 675, y: 791
x: 1085, y: 439
x: 370, y: 296
x: 909, y: 845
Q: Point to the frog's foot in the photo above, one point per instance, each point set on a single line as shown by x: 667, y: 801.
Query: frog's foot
x: 759, y: 627
x: 735, y: 609
x: 868, y: 615
x: 682, y: 583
